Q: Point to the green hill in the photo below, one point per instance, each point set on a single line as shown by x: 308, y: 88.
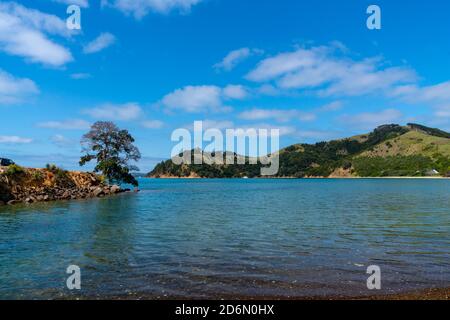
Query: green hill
x: 389, y: 150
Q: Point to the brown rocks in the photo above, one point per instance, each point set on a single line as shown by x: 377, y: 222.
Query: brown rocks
x: 98, y: 192
x: 75, y: 185
x: 115, y: 189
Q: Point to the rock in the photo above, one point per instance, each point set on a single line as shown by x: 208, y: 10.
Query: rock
x: 46, y: 197
x: 66, y: 195
x: 12, y: 202
x: 115, y: 189
x: 98, y: 192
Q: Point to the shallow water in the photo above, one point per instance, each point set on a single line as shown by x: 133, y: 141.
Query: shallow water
x: 232, y: 238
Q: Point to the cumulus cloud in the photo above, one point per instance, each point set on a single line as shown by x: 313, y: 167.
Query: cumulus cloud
x: 213, y: 124
x: 316, y: 135
x: 194, y: 99
x: 333, y: 106
x: 434, y: 94
x: 100, y: 43
x: 329, y: 73
x: 14, y: 140
x: 61, y: 141
x: 287, y: 115
x: 235, y: 57
x: 279, y: 115
x: 140, y: 8
x: 370, y: 120
x: 14, y: 90
x: 24, y: 32
x: 283, y: 130
x: 115, y: 112
x: 152, y: 124
x: 443, y: 112
x: 235, y: 92
x: 72, y: 124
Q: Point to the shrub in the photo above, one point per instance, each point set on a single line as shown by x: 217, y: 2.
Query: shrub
x: 37, y: 176
x: 61, y: 175
x: 14, y: 170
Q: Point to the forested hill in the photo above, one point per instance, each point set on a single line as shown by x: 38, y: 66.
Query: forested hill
x: 389, y: 150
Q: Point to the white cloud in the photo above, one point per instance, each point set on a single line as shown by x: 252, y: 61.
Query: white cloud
x: 287, y: 115
x: 23, y: 32
x: 269, y: 90
x: 279, y: 115
x: 333, y: 106
x: 315, y: 135
x: 235, y: 92
x: 81, y: 3
x: 235, y: 57
x: 152, y: 124
x: 194, y: 99
x: 443, y: 112
x: 14, y: 140
x: 13, y: 90
x: 140, y: 8
x: 371, y: 120
x: 100, y: 43
x: 120, y: 112
x: 62, y: 141
x: 321, y: 69
x: 80, y: 76
x: 283, y: 130
x: 434, y: 94
x: 214, y: 124
x: 73, y: 124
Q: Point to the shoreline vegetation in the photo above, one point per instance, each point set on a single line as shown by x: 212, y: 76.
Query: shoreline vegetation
x: 29, y: 185
x: 389, y: 151
x: 109, y: 146
x: 304, y: 178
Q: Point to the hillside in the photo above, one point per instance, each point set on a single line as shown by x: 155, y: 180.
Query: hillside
x: 389, y: 150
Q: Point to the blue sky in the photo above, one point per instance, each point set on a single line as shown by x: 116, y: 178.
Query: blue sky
x: 310, y: 68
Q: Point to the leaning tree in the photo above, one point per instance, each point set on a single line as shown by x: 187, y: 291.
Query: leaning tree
x: 113, y: 149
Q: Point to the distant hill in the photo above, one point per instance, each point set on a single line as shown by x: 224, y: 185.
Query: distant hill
x: 389, y: 150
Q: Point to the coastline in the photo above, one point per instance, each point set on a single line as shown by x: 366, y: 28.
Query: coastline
x: 306, y: 178
x: 31, y: 185
x: 422, y: 294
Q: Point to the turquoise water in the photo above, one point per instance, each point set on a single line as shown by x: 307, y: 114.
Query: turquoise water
x: 231, y: 238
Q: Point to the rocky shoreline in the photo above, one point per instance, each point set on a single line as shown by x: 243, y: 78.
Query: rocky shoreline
x: 42, y: 185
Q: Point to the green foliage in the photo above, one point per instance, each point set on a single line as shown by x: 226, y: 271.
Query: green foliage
x: 51, y: 167
x: 430, y: 131
x: 113, y: 149
x: 322, y: 158
x: 398, y: 166
x: 37, y: 176
x: 61, y: 175
x: 14, y: 170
